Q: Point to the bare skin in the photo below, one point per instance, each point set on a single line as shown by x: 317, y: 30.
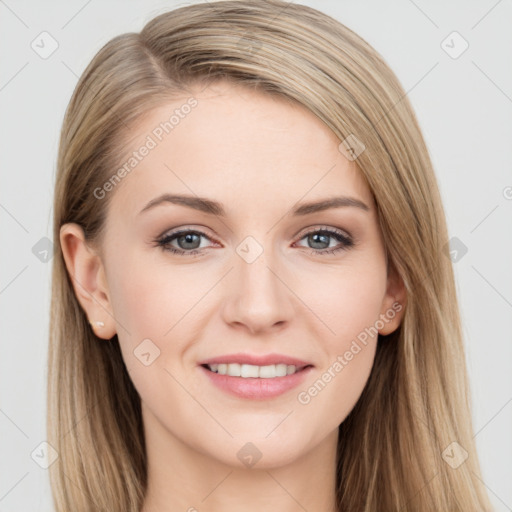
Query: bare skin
x: 260, y: 158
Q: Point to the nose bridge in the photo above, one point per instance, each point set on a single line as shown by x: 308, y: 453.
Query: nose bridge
x: 258, y: 297
x: 253, y: 270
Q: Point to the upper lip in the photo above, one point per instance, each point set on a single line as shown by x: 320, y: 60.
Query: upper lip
x: 256, y: 360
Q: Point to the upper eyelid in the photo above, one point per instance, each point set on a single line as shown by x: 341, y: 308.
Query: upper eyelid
x: 179, y: 231
x: 319, y: 227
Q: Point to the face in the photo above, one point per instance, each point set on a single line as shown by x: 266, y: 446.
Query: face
x: 210, y: 255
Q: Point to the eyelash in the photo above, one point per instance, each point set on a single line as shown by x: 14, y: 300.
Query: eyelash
x: 345, y: 240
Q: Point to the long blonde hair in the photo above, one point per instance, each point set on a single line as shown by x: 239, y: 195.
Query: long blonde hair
x: 415, y: 404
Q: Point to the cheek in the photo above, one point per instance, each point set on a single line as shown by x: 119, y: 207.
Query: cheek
x: 150, y: 304
x: 335, y: 389
x: 151, y: 300
x: 158, y: 310
x: 349, y: 306
x: 345, y: 300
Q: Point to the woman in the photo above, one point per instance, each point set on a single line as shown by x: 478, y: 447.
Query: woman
x: 253, y: 304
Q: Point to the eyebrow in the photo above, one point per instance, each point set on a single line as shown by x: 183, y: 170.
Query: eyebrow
x: 214, y: 208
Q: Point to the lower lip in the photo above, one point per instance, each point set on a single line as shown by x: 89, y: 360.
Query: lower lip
x: 256, y: 388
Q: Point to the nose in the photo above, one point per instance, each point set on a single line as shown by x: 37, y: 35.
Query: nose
x: 258, y: 298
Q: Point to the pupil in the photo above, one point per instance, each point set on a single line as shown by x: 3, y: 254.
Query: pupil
x: 188, y: 240
x: 314, y: 239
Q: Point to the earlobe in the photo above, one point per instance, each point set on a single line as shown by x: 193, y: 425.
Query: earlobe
x: 393, y: 305
x: 86, y: 271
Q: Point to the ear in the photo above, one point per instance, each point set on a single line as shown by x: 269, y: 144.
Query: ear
x: 393, y: 305
x: 87, y: 274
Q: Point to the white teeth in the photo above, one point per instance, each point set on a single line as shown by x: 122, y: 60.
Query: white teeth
x: 280, y: 370
x: 248, y: 370
x: 266, y: 372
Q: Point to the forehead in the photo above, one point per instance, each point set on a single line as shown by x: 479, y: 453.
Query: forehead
x: 238, y: 146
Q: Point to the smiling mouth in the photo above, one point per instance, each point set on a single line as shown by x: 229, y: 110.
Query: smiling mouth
x: 247, y: 371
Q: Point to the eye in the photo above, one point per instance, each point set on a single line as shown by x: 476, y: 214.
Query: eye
x: 188, y: 241
x: 321, y: 239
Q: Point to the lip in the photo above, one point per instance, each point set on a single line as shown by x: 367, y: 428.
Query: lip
x: 256, y: 360
x: 256, y: 388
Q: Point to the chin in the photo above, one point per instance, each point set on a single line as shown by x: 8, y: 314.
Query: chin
x: 260, y: 453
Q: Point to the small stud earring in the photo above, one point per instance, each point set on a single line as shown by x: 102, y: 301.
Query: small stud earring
x: 98, y: 323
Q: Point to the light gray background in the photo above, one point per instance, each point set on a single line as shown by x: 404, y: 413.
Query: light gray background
x: 464, y: 106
